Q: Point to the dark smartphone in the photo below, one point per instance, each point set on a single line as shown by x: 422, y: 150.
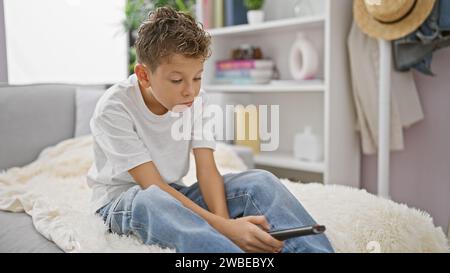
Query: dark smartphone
x: 295, y: 232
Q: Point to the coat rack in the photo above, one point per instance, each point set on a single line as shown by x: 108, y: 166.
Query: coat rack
x: 384, y: 114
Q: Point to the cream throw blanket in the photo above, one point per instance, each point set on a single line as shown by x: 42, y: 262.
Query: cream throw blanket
x: 53, y: 191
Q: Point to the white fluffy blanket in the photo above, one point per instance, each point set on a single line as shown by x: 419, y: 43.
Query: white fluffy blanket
x: 53, y: 191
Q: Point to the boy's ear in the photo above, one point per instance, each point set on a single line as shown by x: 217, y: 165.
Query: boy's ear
x: 142, y: 73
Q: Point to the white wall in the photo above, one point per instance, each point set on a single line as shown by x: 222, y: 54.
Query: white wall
x: 420, y: 175
x: 67, y: 41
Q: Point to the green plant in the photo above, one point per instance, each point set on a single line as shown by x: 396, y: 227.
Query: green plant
x: 136, y: 11
x: 181, y: 5
x: 131, y: 60
x: 253, y: 4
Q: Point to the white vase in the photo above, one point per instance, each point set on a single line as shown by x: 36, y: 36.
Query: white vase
x: 303, y: 59
x: 255, y: 17
x: 308, y: 146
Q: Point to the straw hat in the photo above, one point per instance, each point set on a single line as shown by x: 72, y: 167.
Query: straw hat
x: 391, y: 19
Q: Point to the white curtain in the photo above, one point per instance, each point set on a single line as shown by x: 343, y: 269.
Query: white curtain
x: 65, y: 41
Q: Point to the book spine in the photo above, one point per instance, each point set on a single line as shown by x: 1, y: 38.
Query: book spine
x: 240, y: 72
x: 206, y: 14
x: 235, y: 64
x: 199, y: 11
x: 235, y: 13
x: 233, y: 73
x: 211, y: 13
x: 218, y: 13
x: 243, y: 64
x: 232, y: 66
x: 228, y: 6
x: 241, y: 81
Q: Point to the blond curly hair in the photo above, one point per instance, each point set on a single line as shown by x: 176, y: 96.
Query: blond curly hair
x: 167, y: 32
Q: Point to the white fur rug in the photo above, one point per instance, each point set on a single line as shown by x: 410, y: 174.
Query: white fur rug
x: 54, y: 192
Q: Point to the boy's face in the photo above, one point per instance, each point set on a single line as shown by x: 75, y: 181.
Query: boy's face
x: 174, y: 82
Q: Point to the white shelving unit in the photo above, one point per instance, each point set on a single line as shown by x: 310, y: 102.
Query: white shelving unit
x: 286, y: 160
x: 283, y: 25
x: 325, y: 105
x: 267, y: 88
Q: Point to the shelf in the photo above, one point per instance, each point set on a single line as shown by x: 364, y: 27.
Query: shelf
x: 314, y: 86
x: 325, y: 105
x: 276, y: 25
x: 287, y: 161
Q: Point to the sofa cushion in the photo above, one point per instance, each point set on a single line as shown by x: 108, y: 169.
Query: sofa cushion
x: 18, y: 235
x: 86, y: 99
x: 33, y: 117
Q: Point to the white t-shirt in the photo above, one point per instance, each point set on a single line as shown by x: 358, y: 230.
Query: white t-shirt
x: 127, y: 134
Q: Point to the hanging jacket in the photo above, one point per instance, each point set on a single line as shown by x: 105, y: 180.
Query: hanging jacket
x: 406, y: 109
x: 416, y: 50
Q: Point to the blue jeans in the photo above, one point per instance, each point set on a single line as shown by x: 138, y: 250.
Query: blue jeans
x: 156, y: 217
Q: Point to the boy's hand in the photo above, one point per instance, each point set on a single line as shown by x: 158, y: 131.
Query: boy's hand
x: 246, y: 234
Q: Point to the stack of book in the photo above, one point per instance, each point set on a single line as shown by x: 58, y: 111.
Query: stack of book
x: 220, y: 13
x: 242, y: 72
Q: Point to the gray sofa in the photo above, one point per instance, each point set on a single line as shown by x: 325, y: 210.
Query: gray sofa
x: 32, y: 118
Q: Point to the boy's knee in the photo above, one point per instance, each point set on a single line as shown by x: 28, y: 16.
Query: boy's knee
x: 255, y: 181
x: 266, y: 175
x: 263, y: 178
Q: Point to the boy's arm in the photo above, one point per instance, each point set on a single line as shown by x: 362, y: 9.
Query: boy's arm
x: 146, y: 175
x: 211, y: 182
x: 243, y: 231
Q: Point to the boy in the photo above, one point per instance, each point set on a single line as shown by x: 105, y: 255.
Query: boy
x: 138, y: 168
